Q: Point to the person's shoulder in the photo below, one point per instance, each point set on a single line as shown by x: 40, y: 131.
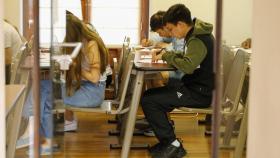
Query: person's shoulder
x: 9, y: 30
x: 8, y: 27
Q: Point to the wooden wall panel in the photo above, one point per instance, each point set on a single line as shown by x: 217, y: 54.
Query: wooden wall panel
x: 86, y: 10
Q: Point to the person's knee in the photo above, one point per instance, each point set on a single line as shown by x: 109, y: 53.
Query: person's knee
x: 143, y: 102
x: 148, y: 103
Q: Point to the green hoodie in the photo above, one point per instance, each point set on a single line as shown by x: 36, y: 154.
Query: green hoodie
x: 196, y: 50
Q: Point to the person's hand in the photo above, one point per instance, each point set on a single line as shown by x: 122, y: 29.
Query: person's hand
x: 146, y: 43
x: 157, y: 54
x: 161, y: 45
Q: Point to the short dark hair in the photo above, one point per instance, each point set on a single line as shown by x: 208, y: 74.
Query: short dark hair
x: 176, y: 13
x: 156, y: 21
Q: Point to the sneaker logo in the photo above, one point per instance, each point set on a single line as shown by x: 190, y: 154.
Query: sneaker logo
x: 179, y: 94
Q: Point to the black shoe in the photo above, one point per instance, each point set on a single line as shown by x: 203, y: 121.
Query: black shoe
x: 142, y: 124
x: 171, y: 151
x: 156, y: 149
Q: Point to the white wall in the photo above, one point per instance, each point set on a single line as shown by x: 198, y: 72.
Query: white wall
x: 264, y: 107
x: 2, y: 89
x: 12, y: 12
x: 203, y: 9
x: 237, y: 21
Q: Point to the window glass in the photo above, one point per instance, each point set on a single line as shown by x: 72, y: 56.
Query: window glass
x: 116, y: 19
x: 60, y: 6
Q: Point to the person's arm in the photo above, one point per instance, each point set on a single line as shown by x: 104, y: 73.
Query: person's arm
x: 162, y: 45
x: 93, y: 74
x: 190, y: 60
x: 8, y: 55
x: 146, y: 42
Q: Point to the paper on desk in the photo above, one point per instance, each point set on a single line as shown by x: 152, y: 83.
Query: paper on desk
x: 44, y: 56
x: 44, y: 59
x: 146, y: 57
x: 149, y: 61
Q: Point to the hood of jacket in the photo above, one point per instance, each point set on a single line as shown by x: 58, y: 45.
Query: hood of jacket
x: 201, y: 27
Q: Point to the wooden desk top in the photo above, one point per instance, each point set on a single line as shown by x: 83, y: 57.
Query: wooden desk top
x: 13, y: 93
x: 149, y: 66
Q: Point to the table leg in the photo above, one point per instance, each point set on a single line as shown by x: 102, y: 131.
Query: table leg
x: 132, y: 114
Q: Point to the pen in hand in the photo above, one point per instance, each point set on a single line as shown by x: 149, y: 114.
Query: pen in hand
x: 162, y: 49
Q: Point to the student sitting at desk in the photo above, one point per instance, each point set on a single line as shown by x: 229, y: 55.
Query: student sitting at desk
x: 85, y: 80
x: 197, y: 83
x: 161, y: 37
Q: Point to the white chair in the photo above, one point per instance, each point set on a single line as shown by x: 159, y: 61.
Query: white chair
x: 107, y: 105
x: 119, y: 65
x: 15, y: 124
x: 241, y: 139
x: 228, y: 57
x: 232, y: 92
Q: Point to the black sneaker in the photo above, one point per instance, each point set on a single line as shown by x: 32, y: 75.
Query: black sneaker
x: 156, y: 149
x: 171, y: 151
x: 149, y: 132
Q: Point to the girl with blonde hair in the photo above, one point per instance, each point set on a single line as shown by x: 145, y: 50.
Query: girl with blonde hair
x: 85, y: 80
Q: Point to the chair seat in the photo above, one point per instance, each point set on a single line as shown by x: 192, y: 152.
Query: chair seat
x: 105, y: 107
x: 197, y: 110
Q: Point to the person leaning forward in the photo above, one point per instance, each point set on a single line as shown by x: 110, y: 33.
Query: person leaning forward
x: 197, y: 83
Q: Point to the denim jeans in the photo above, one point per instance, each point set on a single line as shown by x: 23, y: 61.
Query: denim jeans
x: 46, y: 122
x: 89, y: 95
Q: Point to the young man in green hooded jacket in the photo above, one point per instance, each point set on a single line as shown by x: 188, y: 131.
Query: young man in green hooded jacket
x: 196, y: 85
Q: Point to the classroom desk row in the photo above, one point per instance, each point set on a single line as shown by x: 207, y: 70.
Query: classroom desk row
x: 142, y: 66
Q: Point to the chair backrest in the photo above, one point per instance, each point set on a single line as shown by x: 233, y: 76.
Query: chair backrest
x: 21, y: 74
x: 120, y: 66
x: 235, y: 81
x: 228, y: 57
x: 16, y: 62
x: 125, y: 78
x: 106, y: 106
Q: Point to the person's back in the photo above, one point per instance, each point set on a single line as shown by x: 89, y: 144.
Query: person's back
x: 12, y: 38
x: 12, y: 43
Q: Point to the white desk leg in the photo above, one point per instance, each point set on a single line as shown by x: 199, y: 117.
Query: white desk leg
x: 132, y: 114
x: 241, y: 140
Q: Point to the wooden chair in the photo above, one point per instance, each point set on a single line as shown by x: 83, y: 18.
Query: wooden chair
x: 20, y: 75
x: 232, y: 92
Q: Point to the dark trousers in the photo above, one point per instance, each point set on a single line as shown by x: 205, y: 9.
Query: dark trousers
x: 157, y: 102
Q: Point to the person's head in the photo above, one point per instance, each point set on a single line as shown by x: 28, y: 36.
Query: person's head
x: 178, y: 20
x: 156, y: 24
x: 78, y: 31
